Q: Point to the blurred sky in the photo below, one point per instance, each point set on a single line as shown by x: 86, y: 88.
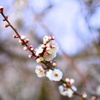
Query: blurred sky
x: 66, y: 20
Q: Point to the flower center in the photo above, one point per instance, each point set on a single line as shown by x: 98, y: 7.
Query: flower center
x: 56, y: 75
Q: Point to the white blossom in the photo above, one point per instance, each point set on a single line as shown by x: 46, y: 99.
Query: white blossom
x: 48, y: 74
x: 62, y: 90
x: 40, y: 59
x: 51, y: 50
x: 74, y: 88
x: 70, y: 92
x: 38, y: 50
x: 53, y: 45
x: 67, y: 91
x: 49, y: 57
x: 40, y: 71
x: 54, y: 75
x: 45, y: 39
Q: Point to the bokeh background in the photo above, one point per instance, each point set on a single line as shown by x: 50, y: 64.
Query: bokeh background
x: 76, y: 27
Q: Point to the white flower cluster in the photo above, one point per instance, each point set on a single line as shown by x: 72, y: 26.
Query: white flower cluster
x: 53, y: 75
x: 46, y: 51
x: 67, y: 91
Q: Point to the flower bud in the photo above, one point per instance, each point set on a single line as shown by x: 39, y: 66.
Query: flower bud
x: 25, y: 48
x: 52, y: 37
x: 22, y: 37
x: 31, y: 47
x: 1, y: 9
x: 71, y: 81
x: 40, y: 59
x: 15, y: 36
x: 30, y: 56
x: 54, y: 64
x: 21, y: 42
x: 6, y: 17
x: 43, y: 46
x: 26, y: 40
x: 84, y: 95
x: 7, y: 25
x: 45, y: 39
x: 49, y: 37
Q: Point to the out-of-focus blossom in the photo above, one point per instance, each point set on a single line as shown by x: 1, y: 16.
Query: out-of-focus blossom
x: 40, y: 71
x: 98, y: 90
x: 62, y: 90
x: 67, y: 91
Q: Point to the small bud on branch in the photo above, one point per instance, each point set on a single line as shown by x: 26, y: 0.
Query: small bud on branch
x: 1, y: 9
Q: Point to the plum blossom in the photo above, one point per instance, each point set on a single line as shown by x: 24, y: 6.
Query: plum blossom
x: 40, y: 59
x: 39, y: 50
x: 48, y: 49
x: 48, y: 74
x: 54, y: 75
x: 40, y: 71
x: 63, y: 91
x: 46, y: 39
x: 51, y: 50
x: 67, y: 91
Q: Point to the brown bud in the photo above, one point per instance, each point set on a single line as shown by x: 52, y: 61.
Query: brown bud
x: 1, y: 9
x: 15, y: 36
x: 6, y: 17
x: 52, y: 37
x: 21, y: 42
x: 30, y: 56
x: 31, y: 46
x: 7, y: 25
x: 26, y: 40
